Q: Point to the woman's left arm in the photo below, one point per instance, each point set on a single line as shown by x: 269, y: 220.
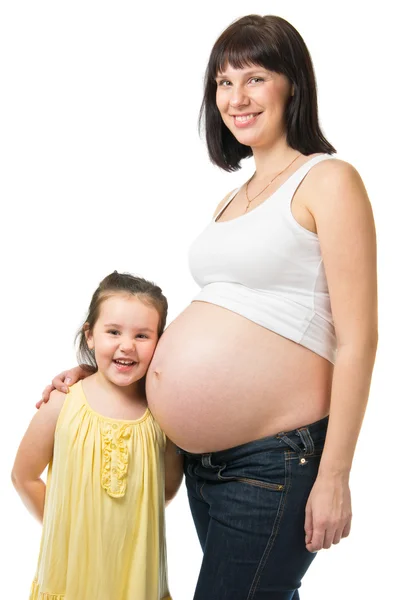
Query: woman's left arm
x: 345, y: 226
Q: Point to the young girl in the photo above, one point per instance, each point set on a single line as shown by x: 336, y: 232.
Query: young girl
x: 110, y: 466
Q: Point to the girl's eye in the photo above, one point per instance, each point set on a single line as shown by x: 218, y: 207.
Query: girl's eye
x: 113, y: 332
x: 142, y: 336
x: 255, y: 79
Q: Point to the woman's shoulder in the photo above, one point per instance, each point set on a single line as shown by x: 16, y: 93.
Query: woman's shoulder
x: 332, y: 170
x: 333, y: 185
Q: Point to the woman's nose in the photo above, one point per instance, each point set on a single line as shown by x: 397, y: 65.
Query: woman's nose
x: 238, y: 97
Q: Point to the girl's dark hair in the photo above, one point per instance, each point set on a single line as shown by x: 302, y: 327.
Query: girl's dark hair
x: 118, y: 283
x: 270, y: 42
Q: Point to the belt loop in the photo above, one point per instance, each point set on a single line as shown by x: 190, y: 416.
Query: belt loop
x: 297, y: 449
x: 206, y: 460
x: 290, y: 443
x: 307, y: 440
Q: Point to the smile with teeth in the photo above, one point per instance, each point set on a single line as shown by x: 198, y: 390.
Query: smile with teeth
x: 125, y: 363
x: 244, y: 118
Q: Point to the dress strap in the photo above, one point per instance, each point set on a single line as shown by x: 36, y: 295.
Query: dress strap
x: 228, y: 201
x: 294, y: 180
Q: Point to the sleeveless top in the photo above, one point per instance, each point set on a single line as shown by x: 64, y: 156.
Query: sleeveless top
x: 103, y: 531
x: 266, y: 267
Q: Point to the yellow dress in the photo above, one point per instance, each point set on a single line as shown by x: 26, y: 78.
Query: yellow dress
x: 103, y: 531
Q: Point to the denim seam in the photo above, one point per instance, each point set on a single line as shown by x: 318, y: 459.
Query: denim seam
x: 262, y: 484
x: 200, y: 491
x: 274, y: 533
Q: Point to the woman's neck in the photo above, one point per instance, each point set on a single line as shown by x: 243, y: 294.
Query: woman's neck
x: 272, y: 159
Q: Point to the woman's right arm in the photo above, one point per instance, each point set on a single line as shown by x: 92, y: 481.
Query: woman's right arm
x: 62, y: 382
x: 34, y: 454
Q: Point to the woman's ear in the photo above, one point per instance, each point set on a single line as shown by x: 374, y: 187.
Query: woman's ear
x: 89, y: 336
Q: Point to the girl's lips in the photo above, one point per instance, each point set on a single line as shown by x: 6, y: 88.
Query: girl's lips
x: 124, y: 368
x: 241, y: 121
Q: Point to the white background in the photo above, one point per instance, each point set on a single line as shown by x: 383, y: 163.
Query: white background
x: 102, y: 169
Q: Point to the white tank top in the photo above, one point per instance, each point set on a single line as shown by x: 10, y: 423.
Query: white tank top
x: 266, y: 267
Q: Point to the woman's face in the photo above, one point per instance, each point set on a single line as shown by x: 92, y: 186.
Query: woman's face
x: 252, y: 103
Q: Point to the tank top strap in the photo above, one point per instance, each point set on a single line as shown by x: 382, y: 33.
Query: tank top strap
x: 291, y: 184
x: 228, y: 201
x: 74, y: 400
x: 76, y: 394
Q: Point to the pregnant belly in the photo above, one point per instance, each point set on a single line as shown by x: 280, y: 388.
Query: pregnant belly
x: 218, y: 380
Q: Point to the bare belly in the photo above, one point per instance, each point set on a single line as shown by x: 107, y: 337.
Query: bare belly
x: 218, y: 380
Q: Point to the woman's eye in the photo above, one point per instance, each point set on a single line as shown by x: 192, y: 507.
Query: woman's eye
x: 224, y: 83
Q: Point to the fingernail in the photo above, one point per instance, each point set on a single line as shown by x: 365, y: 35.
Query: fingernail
x: 64, y: 389
x: 68, y: 380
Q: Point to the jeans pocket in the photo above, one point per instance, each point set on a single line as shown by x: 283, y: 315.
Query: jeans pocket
x: 261, y: 469
x: 278, y: 487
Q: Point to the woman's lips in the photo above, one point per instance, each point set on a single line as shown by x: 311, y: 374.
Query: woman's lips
x: 241, y: 121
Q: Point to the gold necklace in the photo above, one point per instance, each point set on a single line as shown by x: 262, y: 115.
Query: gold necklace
x: 268, y: 184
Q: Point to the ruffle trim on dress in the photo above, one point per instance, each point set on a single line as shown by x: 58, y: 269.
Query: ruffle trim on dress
x: 115, y: 458
x: 36, y: 594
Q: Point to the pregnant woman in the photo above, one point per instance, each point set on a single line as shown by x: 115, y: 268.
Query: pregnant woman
x: 263, y: 380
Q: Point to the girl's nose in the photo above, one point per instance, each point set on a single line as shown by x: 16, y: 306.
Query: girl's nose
x: 127, y: 345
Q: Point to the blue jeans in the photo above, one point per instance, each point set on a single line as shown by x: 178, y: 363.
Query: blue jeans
x: 248, y: 504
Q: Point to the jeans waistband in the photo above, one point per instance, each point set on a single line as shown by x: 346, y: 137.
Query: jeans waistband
x: 308, y: 435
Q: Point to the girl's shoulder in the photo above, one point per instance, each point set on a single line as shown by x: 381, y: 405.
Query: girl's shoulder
x: 55, y: 403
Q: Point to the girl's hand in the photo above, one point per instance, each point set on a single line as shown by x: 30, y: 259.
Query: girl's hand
x: 328, y: 512
x: 62, y: 382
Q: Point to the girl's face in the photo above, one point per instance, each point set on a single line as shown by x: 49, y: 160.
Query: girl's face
x: 252, y: 103
x: 124, y: 338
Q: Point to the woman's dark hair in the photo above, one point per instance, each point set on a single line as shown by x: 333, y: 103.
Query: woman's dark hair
x: 270, y: 42
x: 118, y: 283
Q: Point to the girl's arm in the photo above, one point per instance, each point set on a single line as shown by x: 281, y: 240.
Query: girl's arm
x: 345, y: 227
x: 65, y: 379
x: 173, y: 465
x: 34, y: 454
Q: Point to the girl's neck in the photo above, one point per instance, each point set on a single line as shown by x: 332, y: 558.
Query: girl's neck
x: 125, y: 394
